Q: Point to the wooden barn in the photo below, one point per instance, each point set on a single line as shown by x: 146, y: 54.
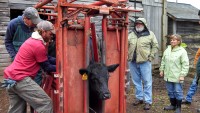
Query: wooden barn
x: 182, y: 19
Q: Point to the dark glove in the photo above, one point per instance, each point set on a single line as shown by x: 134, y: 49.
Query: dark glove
x: 8, y: 83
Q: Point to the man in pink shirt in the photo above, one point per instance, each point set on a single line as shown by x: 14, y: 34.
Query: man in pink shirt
x: 20, y: 74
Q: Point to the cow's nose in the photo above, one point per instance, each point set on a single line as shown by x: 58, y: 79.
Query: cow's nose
x: 106, y: 96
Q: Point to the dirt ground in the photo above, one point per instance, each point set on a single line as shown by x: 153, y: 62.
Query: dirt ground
x: 160, y: 99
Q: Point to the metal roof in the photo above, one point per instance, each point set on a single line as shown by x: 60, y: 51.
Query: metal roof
x: 182, y: 12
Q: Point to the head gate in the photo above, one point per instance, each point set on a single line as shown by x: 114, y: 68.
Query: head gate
x: 74, y: 35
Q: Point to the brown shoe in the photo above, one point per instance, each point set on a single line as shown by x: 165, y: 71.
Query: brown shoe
x: 147, y: 106
x: 137, y: 102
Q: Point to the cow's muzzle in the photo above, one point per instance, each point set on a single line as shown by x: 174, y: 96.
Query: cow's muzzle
x: 105, y: 96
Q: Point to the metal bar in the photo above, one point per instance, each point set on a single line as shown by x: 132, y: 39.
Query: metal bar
x: 86, y: 63
x: 118, y: 42
x: 116, y: 19
x: 111, y: 9
x: 110, y: 1
x: 48, y: 7
x: 49, y: 14
x: 59, y: 61
x: 125, y: 55
x: 74, y: 12
x: 99, y: 3
x: 94, y: 42
x: 104, y: 33
x: 121, y: 75
x: 42, y: 3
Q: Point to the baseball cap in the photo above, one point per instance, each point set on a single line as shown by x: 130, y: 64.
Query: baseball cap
x: 46, y: 26
x: 32, y: 14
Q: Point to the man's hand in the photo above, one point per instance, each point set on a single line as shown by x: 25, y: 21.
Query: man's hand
x: 8, y: 83
x: 161, y: 74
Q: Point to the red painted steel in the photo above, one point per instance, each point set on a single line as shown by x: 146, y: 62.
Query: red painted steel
x: 86, y: 63
x: 94, y: 42
x: 72, y: 52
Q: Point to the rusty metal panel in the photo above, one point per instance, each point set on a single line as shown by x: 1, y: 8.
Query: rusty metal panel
x: 73, y: 61
x: 113, y: 57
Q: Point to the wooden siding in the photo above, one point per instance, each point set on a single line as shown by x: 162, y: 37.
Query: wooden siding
x: 4, y: 56
x: 4, y: 20
x: 153, y: 15
x: 187, y: 27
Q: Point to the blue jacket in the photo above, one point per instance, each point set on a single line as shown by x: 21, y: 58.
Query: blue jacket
x: 10, y: 32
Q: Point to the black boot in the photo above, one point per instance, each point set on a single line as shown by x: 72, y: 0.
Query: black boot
x: 178, y: 106
x: 172, y: 106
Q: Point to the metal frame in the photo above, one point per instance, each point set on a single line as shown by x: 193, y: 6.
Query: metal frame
x: 65, y: 17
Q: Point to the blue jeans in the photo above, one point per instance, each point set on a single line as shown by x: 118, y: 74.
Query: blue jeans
x: 175, y: 90
x: 192, y: 90
x: 142, y: 80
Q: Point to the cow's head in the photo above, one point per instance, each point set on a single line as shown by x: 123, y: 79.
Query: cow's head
x: 98, y: 75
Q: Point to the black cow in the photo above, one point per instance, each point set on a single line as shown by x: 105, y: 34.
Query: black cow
x: 98, y: 76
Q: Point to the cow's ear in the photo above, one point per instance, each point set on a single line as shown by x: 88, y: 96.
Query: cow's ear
x: 82, y: 71
x: 112, y: 68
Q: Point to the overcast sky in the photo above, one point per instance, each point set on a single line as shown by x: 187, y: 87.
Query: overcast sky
x: 195, y: 3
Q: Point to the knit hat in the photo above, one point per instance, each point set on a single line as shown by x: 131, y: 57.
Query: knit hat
x: 46, y: 26
x: 32, y: 14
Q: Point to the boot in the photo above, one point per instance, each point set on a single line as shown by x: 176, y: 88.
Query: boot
x: 178, y: 106
x: 172, y: 106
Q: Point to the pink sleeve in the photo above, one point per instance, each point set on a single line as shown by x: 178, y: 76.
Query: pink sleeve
x: 41, y: 54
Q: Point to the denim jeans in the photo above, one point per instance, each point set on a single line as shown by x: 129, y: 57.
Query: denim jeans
x: 142, y: 80
x: 175, y: 90
x: 192, y: 90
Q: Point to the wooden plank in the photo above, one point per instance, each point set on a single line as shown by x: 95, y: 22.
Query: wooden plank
x: 2, y: 37
x: 2, y: 42
x: 2, y: 47
x: 5, y: 13
x: 4, y: 9
x: 4, y: 64
x: 3, y: 51
x: 5, y: 56
x: 3, y: 27
x: 3, y: 1
x: 5, y: 60
x: 2, y: 70
x: 2, y: 32
x: 3, y: 5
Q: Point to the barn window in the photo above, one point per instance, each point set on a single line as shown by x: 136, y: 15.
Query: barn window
x: 18, y: 12
x: 15, y: 13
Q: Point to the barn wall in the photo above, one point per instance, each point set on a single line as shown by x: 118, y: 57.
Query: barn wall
x: 187, y: 27
x: 4, y: 19
x: 153, y: 14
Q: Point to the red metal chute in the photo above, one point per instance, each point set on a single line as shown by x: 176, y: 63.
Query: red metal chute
x: 70, y: 95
